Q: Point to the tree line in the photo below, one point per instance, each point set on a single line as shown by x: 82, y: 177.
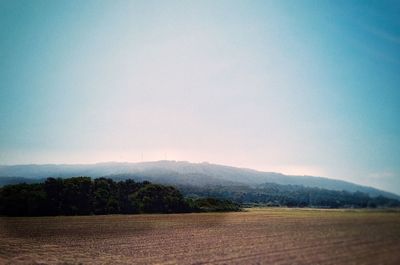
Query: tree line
x: 273, y: 194
x: 84, y: 196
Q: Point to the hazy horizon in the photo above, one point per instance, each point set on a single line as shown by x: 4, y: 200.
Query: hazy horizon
x: 295, y: 87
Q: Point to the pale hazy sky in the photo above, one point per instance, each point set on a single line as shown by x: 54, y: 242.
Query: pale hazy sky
x: 299, y: 87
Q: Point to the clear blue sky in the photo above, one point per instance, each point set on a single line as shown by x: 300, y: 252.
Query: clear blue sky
x: 299, y: 87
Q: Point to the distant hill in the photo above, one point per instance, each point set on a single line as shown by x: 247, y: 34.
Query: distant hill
x: 17, y: 180
x: 180, y: 173
x: 272, y: 194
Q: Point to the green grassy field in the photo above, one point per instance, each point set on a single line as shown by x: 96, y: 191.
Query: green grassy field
x: 255, y: 236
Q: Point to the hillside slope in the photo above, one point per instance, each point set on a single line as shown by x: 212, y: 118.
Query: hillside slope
x: 181, y: 172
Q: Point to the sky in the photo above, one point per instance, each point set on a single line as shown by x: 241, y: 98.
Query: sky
x: 297, y: 87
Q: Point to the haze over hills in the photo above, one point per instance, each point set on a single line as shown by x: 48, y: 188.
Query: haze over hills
x: 178, y: 173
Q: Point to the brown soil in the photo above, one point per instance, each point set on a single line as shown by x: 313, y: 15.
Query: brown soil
x: 256, y: 236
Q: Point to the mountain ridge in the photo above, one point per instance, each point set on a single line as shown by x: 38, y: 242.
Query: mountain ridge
x: 198, y: 173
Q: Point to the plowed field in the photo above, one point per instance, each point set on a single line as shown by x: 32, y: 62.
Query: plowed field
x: 255, y: 236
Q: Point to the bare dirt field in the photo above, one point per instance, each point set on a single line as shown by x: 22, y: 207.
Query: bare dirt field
x: 256, y: 236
